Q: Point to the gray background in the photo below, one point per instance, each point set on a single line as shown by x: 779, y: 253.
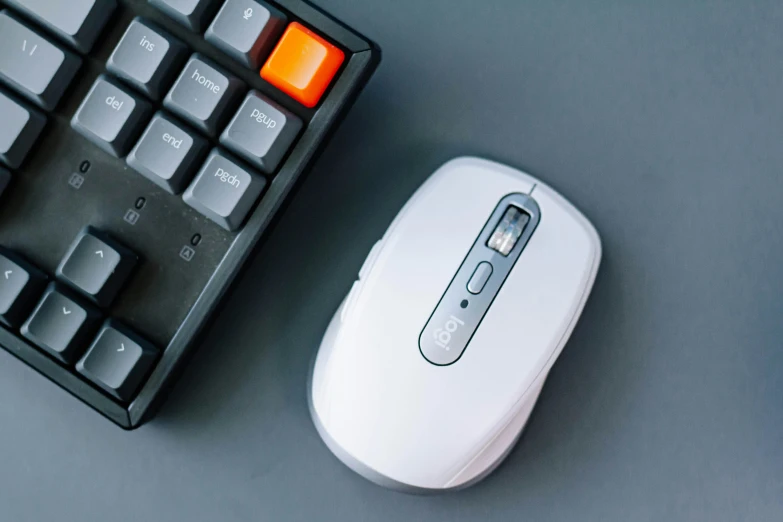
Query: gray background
x: 661, y: 120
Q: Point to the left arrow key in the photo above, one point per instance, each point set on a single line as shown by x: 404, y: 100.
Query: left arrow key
x: 21, y: 285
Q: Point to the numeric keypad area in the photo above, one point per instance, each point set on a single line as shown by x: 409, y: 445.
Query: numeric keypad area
x: 201, y: 99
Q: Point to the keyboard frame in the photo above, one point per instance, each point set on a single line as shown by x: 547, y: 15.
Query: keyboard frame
x: 362, y: 58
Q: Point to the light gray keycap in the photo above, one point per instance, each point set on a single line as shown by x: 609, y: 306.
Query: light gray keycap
x: 166, y: 154
x: 224, y: 192
x: 261, y: 132
x: 5, y: 180
x: 147, y: 58
x: 110, y: 117
x: 78, y: 22
x: 19, y: 130
x: 33, y: 66
x: 246, y: 30
x: 193, y: 14
x: 203, y: 94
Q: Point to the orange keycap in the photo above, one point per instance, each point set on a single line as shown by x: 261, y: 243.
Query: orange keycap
x: 302, y: 65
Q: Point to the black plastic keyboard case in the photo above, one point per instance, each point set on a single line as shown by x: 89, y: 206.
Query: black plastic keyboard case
x: 187, y: 263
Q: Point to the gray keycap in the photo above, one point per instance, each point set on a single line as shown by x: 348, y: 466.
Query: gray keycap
x: 166, y: 154
x: 78, y: 22
x: 118, y: 361
x: 202, y: 94
x: 97, y: 266
x: 33, y: 66
x: 110, y: 117
x: 19, y: 130
x: 60, y: 325
x: 5, y: 180
x: 224, y: 192
x: 261, y: 132
x: 193, y: 14
x: 246, y: 30
x: 147, y: 58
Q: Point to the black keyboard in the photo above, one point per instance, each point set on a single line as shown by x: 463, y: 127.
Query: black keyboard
x: 146, y: 147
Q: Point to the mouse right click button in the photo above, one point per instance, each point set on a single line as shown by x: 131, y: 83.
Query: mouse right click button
x: 479, y: 278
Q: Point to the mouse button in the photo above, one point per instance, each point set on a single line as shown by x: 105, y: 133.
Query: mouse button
x: 369, y: 261
x: 490, y: 175
x: 479, y: 278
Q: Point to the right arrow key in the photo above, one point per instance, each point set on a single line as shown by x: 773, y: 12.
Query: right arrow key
x: 97, y: 266
x: 118, y: 361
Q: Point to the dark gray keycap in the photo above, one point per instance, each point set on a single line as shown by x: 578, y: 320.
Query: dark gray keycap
x: 118, y: 361
x: 224, y: 192
x: 5, y: 180
x: 111, y: 117
x: 21, y: 285
x: 78, y: 22
x: 202, y: 94
x: 19, y: 130
x: 167, y: 154
x: 193, y: 14
x: 61, y: 326
x: 33, y: 66
x: 147, y: 57
x: 97, y: 266
x: 246, y: 30
x: 261, y: 132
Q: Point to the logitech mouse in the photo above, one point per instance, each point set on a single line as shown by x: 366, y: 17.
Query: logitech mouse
x: 430, y: 368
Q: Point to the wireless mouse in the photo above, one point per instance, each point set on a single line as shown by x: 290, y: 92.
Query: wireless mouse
x: 433, y: 363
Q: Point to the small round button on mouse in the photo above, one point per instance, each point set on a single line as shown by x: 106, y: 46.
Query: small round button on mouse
x: 479, y: 278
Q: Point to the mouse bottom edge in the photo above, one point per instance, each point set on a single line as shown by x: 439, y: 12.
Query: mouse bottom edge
x: 516, y: 426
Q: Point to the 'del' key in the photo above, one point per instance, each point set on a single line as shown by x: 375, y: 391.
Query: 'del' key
x: 110, y: 117
x: 97, y: 266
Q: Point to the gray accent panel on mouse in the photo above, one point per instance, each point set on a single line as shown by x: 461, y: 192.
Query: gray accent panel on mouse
x: 480, y: 277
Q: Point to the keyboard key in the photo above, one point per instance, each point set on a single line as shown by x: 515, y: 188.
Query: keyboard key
x: 61, y: 326
x: 118, y: 361
x: 203, y: 94
x: 193, y: 14
x: 5, y: 180
x: 33, y: 66
x: 110, y: 117
x: 21, y: 285
x: 78, y: 22
x: 19, y: 131
x: 97, y: 266
x: 147, y: 58
x: 302, y: 65
x: 167, y: 154
x: 261, y: 132
x: 224, y: 192
x: 246, y: 30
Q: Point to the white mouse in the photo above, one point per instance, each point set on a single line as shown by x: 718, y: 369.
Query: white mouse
x: 431, y: 367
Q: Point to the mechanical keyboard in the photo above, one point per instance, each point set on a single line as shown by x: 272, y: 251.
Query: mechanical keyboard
x: 146, y: 148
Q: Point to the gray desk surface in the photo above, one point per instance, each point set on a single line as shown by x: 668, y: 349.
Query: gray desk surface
x: 662, y: 121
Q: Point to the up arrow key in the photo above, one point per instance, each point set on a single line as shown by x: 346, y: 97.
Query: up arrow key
x: 99, y: 253
x: 8, y: 274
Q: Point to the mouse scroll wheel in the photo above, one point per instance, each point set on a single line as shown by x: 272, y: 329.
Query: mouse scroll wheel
x: 508, y: 231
